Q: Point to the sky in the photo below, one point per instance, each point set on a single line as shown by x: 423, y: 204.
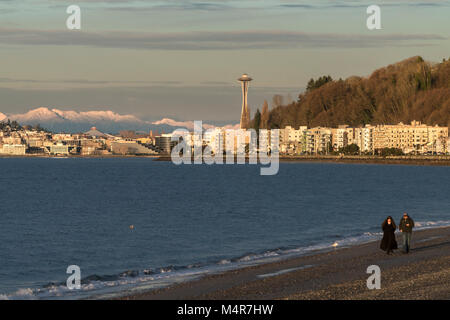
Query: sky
x: 181, y: 58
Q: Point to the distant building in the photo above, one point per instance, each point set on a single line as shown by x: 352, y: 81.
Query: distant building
x: 363, y: 138
x: 13, y: 149
x: 448, y: 145
x: 35, y: 143
x: 59, y: 149
x: 293, y: 141
x: 340, y: 137
x: 130, y: 147
x: 13, y: 140
x: 164, y: 143
x: 93, y: 146
x: 147, y: 140
x: 318, y: 140
x: 128, y: 134
x: 215, y: 139
x: 95, y: 133
x: 415, y: 138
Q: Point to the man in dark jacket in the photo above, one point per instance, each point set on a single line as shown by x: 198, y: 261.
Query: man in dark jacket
x: 406, y: 226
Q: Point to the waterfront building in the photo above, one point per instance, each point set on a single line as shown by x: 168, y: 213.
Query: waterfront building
x: 94, y: 133
x: 366, y: 139
x: 13, y: 139
x: 340, y: 137
x: 59, y: 149
x: 293, y: 141
x: 13, y: 149
x: 318, y: 140
x: 215, y: 139
x: 448, y: 146
x: 164, y: 143
x: 124, y: 147
x: 416, y: 138
x: 35, y: 142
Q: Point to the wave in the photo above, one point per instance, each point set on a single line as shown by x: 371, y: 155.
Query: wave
x: 420, y: 225
x: 107, y: 286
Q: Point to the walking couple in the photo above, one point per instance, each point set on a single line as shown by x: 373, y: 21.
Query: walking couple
x: 388, y: 243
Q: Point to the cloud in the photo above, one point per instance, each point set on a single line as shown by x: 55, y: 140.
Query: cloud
x: 140, y: 6
x: 11, y: 80
x: 185, y: 5
x: 321, y: 4
x: 86, y: 82
x: 133, y: 5
x: 220, y: 40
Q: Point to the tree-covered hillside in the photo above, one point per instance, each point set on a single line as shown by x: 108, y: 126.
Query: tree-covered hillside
x: 412, y: 89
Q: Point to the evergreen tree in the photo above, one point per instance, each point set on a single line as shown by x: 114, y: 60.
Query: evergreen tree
x: 265, y: 116
x: 257, y: 121
x: 314, y: 84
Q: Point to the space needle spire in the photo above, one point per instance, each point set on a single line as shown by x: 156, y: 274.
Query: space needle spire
x: 245, y: 114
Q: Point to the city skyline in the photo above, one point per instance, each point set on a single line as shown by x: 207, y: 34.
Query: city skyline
x: 155, y: 59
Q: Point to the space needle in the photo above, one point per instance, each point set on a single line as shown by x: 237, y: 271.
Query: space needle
x: 245, y: 114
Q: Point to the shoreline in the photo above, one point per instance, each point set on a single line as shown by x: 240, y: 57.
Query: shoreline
x: 112, y: 156
x: 334, y: 274
x: 393, y: 160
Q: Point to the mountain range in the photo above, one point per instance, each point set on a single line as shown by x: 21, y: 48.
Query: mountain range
x: 107, y: 121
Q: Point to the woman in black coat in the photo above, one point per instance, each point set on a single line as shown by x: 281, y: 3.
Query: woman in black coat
x: 388, y: 243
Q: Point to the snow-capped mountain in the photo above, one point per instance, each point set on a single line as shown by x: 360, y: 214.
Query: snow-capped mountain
x: 106, y: 121
x: 73, y: 121
x: 95, y: 116
x: 45, y: 114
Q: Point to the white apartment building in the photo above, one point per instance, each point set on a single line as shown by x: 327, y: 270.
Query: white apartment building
x: 318, y: 140
x: 13, y: 149
x: 14, y: 139
x: 293, y: 141
x: 366, y: 142
x: 415, y: 138
x: 340, y: 136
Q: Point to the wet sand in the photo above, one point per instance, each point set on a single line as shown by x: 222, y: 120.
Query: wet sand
x: 340, y: 273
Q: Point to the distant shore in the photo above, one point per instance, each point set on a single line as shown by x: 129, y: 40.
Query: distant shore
x: 6, y: 156
x: 424, y: 273
x: 400, y: 160
x: 405, y: 160
x: 393, y: 160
